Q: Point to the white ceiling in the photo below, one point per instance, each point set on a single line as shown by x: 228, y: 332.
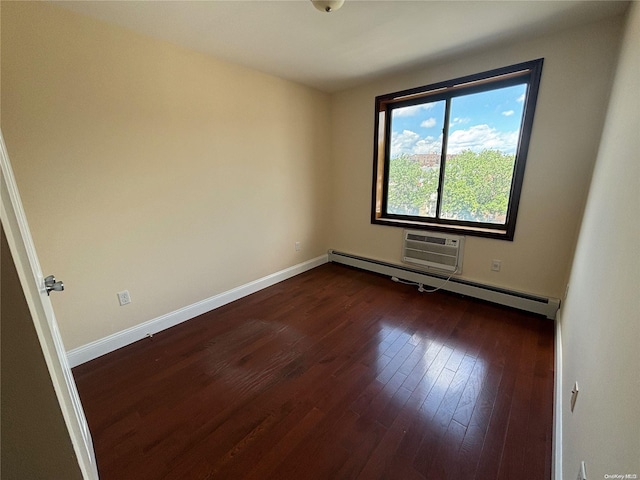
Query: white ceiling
x: 362, y: 40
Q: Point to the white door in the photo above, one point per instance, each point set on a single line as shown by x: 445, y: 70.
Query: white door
x: 22, y: 249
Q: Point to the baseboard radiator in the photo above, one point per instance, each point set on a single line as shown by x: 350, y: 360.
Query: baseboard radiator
x: 523, y: 301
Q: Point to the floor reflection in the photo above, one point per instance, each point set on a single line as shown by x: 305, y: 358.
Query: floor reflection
x: 433, y: 375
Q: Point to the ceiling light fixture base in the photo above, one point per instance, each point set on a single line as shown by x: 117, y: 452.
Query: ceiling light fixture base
x: 327, y: 6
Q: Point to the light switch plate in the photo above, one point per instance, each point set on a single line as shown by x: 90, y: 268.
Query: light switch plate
x: 582, y: 474
x: 574, y: 395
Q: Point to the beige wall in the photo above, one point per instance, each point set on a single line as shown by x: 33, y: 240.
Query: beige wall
x: 601, y: 316
x: 35, y: 440
x: 148, y: 167
x: 576, y: 79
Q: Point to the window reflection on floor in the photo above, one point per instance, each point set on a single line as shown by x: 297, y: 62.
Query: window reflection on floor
x: 433, y: 375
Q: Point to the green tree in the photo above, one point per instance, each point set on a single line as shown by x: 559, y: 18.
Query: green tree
x: 410, y: 186
x: 477, y: 186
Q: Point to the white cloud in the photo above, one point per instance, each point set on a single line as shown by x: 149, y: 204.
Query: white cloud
x: 508, y: 113
x: 476, y: 138
x: 480, y: 137
x: 410, y: 143
x: 403, y: 142
x: 459, y: 121
x: 412, y: 110
x: 428, y: 145
x: 521, y: 98
x: 428, y: 123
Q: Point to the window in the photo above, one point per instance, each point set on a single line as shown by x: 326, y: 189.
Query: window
x: 451, y: 156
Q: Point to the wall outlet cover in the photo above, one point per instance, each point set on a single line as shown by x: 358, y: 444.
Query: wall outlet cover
x: 124, y: 298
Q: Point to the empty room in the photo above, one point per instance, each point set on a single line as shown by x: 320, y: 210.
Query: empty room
x: 320, y: 240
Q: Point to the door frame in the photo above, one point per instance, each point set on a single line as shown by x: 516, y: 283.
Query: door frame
x: 20, y: 242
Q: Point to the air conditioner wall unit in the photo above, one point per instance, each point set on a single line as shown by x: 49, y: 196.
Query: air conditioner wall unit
x: 433, y: 250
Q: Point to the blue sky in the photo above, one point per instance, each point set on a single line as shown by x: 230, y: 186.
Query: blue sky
x: 478, y: 121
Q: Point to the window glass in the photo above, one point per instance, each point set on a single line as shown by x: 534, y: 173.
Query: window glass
x: 481, y: 150
x: 415, y: 153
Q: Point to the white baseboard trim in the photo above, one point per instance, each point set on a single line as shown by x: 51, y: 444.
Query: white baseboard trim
x: 80, y: 355
x: 556, y: 464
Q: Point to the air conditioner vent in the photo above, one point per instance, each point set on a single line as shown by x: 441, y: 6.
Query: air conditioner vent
x: 425, y: 238
x: 439, y: 251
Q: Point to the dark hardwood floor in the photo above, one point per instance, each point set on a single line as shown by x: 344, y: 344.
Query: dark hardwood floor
x: 333, y: 374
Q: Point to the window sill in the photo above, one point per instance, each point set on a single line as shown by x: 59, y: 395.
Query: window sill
x: 499, y: 234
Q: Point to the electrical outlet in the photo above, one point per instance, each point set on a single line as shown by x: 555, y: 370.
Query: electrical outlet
x: 297, y: 246
x: 582, y: 473
x: 574, y: 395
x: 124, y: 298
x: 495, y: 265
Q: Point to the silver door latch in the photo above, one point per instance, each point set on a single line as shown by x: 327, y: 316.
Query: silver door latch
x: 51, y: 284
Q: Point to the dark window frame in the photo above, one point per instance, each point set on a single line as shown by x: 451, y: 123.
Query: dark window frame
x: 531, y: 71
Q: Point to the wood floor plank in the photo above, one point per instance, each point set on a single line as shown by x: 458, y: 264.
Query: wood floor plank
x: 263, y: 467
x: 493, y: 447
x: 335, y: 373
x: 443, y: 417
x: 436, y: 425
x: 537, y: 456
x: 445, y: 463
x: 478, y: 431
x: 470, y: 394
